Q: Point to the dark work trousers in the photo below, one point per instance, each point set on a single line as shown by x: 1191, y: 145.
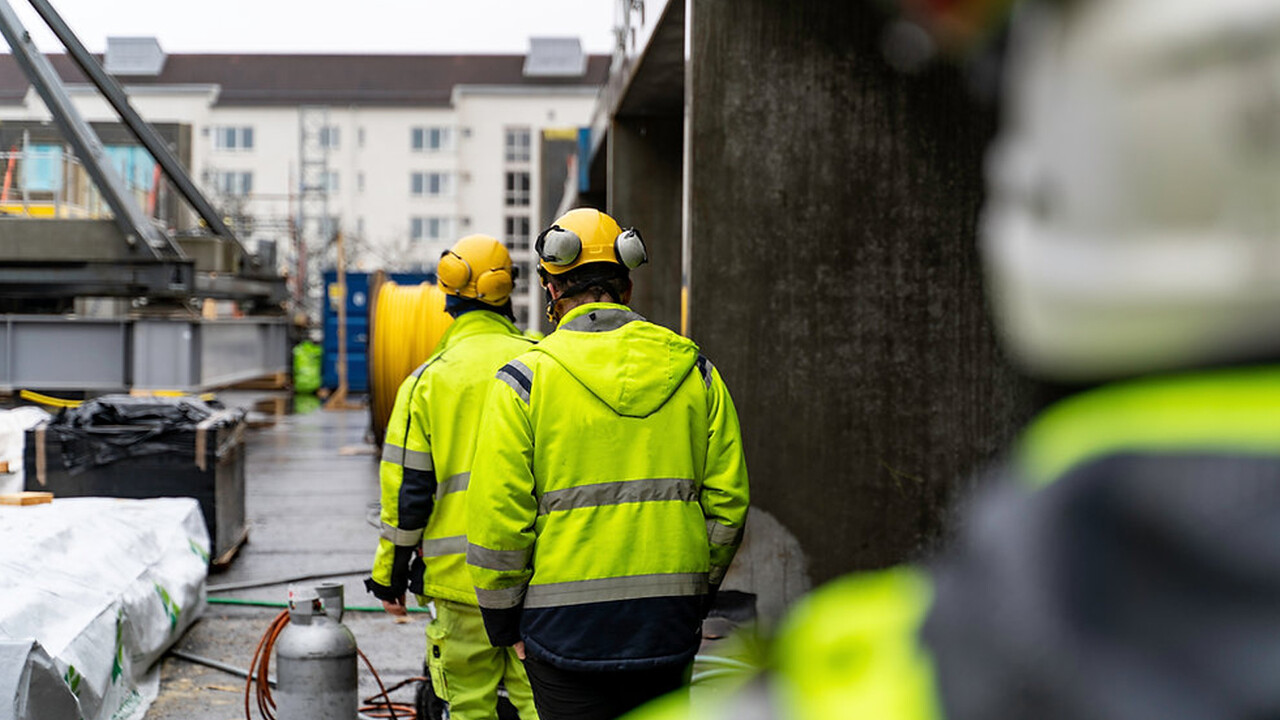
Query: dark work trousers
x: 575, y: 695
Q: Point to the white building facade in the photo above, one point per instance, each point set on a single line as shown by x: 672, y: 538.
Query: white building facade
x: 414, y: 151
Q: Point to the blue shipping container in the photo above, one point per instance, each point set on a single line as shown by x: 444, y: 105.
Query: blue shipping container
x: 357, y: 326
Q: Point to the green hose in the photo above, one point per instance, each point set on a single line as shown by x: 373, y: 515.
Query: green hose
x: 279, y: 604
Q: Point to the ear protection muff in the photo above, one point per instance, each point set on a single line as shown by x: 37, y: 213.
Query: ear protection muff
x: 629, y: 248
x: 558, y: 246
x: 495, y: 283
x: 453, y: 271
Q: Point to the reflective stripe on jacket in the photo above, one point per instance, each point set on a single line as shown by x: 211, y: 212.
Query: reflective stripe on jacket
x: 1232, y: 411
x: 426, y: 458
x: 609, y: 491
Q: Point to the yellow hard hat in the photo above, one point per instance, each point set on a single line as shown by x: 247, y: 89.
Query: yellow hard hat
x: 585, y: 236
x: 477, y: 267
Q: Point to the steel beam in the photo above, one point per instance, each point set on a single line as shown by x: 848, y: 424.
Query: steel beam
x: 231, y: 287
x: 43, y: 352
x: 117, y: 278
x: 206, y: 354
x: 142, y: 130
x: 233, y: 351
x: 58, y: 353
x: 25, y: 239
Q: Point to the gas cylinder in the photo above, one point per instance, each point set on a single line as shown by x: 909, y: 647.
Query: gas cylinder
x: 316, y: 660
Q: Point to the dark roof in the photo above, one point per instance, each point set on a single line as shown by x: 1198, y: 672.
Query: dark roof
x: 324, y: 79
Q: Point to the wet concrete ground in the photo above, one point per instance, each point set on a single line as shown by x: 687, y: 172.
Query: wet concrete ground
x: 311, y: 490
x: 311, y: 482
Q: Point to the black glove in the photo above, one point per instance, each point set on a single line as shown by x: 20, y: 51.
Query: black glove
x: 400, y: 572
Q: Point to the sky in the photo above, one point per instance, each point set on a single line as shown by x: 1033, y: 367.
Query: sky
x: 329, y: 26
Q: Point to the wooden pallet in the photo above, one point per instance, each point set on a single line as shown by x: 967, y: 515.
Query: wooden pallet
x: 267, y: 411
x: 274, y: 381
x: 26, y: 498
x: 224, y: 560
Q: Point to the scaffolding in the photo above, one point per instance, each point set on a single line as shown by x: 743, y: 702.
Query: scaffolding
x: 315, y: 228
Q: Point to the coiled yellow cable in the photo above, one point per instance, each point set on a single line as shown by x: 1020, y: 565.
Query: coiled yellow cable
x: 406, y: 326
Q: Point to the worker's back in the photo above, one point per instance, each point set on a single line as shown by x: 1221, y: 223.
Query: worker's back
x: 619, y: 413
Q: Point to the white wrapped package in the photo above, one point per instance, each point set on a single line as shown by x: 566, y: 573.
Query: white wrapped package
x: 105, y: 586
x: 14, y: 425
x: 31, y: 686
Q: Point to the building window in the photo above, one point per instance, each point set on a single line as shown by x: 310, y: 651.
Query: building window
x: 233, y: 138
x: 331, y: 181
x: 516, y: 232
x: 233, y: 183
x: 517, y: 145
x: 431, y: 184
x: 430, y: 228
x: 360, y: 226
x: 360, y: 182
x: 522, y: 315
x: 526, y: 276
x: 360, y: 137
x: 243, y: 225
x: 431, y: 139
x: 329, y: 226
x: 517, y: 189
x: 330, y: 137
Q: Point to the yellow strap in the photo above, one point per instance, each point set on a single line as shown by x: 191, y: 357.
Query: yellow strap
x: 47, y: 400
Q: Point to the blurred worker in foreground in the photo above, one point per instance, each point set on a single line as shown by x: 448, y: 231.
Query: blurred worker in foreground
x: 1130, y: 565
x: 609, y: 490
x: 426, y: 463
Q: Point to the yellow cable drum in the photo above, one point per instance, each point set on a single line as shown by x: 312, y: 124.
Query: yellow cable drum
x: 405, y: 326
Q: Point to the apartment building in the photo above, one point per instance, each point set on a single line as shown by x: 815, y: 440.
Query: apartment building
x: 403, y: 153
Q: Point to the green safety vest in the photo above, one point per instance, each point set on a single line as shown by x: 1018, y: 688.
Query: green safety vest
x: 609, y: 491
x: 427, y: 454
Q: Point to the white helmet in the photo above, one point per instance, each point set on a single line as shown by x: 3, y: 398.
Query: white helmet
x: 1133, y: 218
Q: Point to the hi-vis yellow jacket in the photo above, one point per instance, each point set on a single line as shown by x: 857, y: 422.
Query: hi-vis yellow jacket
x: 608, y: 494
x: 426, y: 460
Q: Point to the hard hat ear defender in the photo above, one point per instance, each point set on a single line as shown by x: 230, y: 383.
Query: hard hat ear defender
x: 629, y: 248
x: 558, y: 246
x: 454, y: 273
x: 495, y: 283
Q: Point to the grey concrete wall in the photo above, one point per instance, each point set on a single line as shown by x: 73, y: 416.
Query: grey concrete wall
x: 771, y: 565
x: 646, y: 160
x: 835, y: 278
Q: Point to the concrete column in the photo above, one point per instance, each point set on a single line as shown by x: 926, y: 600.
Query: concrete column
x: 835, y: 279
x: 646, y: 160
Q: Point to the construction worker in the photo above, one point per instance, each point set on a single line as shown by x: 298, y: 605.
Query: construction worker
x: 426, y: 463
x: 609, y: 491
x: 1126, y: 565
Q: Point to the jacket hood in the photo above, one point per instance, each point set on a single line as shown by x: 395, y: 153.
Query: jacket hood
x: 632, y: 365
x: 474, y: 322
